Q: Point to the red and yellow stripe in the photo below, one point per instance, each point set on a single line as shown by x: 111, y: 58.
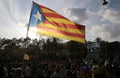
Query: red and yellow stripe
x: 59, y: 26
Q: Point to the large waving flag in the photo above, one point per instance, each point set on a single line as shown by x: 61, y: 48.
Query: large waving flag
x: 48, y: 22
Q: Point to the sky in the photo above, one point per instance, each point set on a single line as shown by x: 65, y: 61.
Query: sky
x: 101, y: 21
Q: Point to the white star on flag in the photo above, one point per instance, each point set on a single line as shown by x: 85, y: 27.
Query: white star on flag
x: 38, y: 16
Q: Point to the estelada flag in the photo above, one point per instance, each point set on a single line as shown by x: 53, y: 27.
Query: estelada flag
x: 26, y: 57
x: 48, y: 22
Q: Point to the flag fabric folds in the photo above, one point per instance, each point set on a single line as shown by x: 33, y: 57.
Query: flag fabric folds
x: 48, y: 22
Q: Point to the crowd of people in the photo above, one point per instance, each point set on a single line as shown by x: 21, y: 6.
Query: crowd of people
x: 61, y: 69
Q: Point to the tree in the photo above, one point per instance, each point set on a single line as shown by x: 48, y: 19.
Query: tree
x: 76, y: 49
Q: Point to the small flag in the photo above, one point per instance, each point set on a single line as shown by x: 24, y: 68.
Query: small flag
x: 48, y: 22
x: 26, y: 57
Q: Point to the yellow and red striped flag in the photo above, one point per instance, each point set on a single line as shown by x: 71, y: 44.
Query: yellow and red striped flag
x: 48, y: 22
x: 26, y: 57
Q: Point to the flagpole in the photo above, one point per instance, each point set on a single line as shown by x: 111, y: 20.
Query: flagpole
x: 29, y: 20
x: 27, y: 31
